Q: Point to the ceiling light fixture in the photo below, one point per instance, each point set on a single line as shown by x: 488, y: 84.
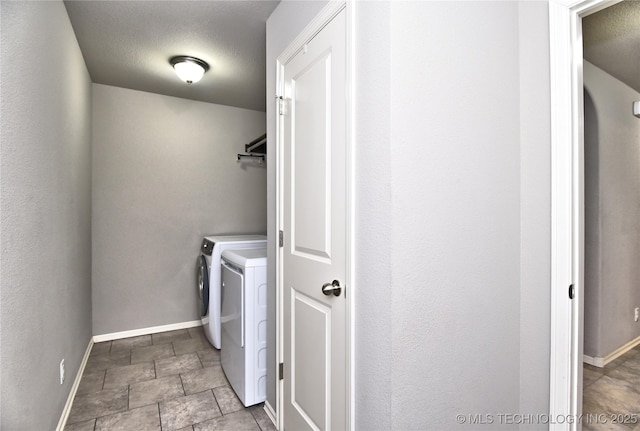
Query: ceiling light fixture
x: 189, y: 69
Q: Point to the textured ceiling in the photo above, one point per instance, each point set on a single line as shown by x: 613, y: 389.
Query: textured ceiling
x: 612, y: 41
x: 129, y: 43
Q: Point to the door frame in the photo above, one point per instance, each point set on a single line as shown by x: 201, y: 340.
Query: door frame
x: 313, y: 28
x: 567, y: 207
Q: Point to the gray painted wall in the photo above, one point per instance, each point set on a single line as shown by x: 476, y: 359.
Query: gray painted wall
x: 164, y: 175
x: 612, y: 219
x: 45, y: 220
x: 452, y: 212
x: 284, y: 24
x: 535, y: 209
x: 374, y: 291
x: 461, y: 157
x: 455, y: 212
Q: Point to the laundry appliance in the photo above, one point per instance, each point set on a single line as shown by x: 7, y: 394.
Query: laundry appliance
x: 244, y: 323
x: 209, y: 281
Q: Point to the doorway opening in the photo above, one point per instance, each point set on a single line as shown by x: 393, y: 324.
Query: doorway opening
x: 568, y: 203
x: 612, y: 212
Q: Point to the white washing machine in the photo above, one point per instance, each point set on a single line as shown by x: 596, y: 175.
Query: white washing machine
x: 244, y: 323
x: 208, y: 277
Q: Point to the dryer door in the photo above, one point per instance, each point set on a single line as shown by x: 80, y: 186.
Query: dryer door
x: 203, y: 284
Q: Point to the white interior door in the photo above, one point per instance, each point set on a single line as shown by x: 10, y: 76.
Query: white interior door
x: 314, y: 221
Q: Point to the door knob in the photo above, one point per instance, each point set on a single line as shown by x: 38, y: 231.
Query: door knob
x: 332, y: 288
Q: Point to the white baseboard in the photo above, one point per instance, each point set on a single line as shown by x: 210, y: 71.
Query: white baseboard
x: 146, y: 331
x: 72, y: 394
x: 270, y: 413
x: 601, y: 362
x: 596, y: 362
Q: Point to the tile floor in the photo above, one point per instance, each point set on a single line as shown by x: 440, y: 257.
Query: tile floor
x: 174, y: 381
x: 166, y: 381
x: 613, y: 390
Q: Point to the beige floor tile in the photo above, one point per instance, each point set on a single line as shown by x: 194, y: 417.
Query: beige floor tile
x: 264, y: 422
x: 633, y: 363
x: 123, y: 376
x: 154, y: 391
x: 92, y: 381
x: 101, y: 348
x: 108, y: 360
x: 616, y: 362
x: 188, y: 346
x: 200, y: 380
x: 590, y: 376
x: 150, y: 353
x: 130, y: 343
x: 188, y: 410
x: 81, y: 426
x: 141, y: 419
x: 98, y: 404
x: 170, y: 336
x: 197, y: 333
x: 227, y: 400
x: 610, y: 396
x: 238, y: 421
x: 209, y: 358
x: 177, y: 364
x: 603, y: 426
x: 629, y: 375
x: 616, y: 392
x: 167, y: 381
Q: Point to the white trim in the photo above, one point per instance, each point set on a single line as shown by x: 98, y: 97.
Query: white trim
x: 314, y: 27
x: 596, y: 362
x: 278, y: 264
x: 351, y: 205
x: 560, y: 371
x: 72, y: 394
x: 270, y: 413
x: 567, y: 223
x: 146, y: 331
x: 310, y: 31
x: 601, y: 362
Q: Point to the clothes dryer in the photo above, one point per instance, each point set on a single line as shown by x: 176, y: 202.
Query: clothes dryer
x: 208, y: 277
x: 244, y: 323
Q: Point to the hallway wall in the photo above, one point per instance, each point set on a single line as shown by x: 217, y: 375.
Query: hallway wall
x: 45, y: 207
x: 164, y: 176
x: 612, y: 213
x: 455, y: 212
x: 453, y: 192
x: 470, y: 212
x: 452, y: 212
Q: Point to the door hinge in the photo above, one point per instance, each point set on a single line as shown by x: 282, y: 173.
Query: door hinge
x: 282, y: 105
x: 572, y: 291
x: 281, y: 371
x: 281, y: 239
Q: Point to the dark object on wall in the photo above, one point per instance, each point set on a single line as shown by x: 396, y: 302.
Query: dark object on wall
x: 256, y: 149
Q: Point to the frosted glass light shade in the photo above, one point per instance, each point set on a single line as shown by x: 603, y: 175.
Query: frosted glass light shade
x: 189, y: 69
